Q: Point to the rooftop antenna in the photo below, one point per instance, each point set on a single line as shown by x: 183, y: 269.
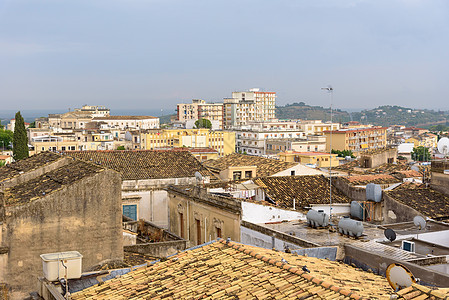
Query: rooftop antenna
x: 330, y: 91
x: 443, y: 147
x: 399, y: 277
x: 419, y: 222
x: 390, y: 234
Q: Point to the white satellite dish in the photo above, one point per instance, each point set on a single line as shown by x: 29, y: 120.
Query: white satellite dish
x: 198, y: 176
x: 443, y: 146
x: 419, y: 222
x: 399, y: 277
x: 415, y: 168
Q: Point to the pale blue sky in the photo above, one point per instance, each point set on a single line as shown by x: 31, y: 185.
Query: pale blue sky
x: 152, y: 54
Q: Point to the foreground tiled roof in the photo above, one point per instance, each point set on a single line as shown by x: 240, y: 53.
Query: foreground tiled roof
x: 427, y: 201
x: 145, y: 164
x: 265, y: 166
x: 307, y: 190
x: 49, y: 182
x: 376, y: 178
x: 419, y: 292
x: 28, y: 164
x: 221, y: 270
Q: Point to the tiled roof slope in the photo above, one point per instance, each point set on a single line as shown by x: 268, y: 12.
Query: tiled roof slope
x: 265, y: 166
x: 221, y: 270
x: 419, y: 292
x: 375, y: 178
x: 48, y: 183
x: 307, y: 190
x: 145, y: 164
x: 25, y: 165
x: 427, y: 201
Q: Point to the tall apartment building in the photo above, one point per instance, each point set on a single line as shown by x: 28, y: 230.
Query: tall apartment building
x: 222, y: 141
x: 199, y: 109
x: 245, y: 107
x: 357, y: 140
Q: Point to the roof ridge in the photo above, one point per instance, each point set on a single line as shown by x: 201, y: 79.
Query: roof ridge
x: 292, y: 269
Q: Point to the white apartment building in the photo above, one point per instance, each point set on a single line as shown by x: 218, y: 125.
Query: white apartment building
x: 95, y: 111
x: 199, y: 109
x: 129, y: 122
x: 245, y: 107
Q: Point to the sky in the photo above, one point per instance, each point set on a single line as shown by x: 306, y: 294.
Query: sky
x: 153, y: 54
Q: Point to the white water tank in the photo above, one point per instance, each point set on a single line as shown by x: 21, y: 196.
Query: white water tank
x: 53, y: 265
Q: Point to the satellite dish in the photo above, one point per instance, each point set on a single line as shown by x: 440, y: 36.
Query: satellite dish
x: 415, y: 168
x: 198, y: 176
x: 443, y: 146
x: 399, y: 276
x: 390, y: 234
x: 419, y: 222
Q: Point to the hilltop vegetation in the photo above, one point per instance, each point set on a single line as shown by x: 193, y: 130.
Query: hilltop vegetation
x: 307, y: 112
x: 381, y: 116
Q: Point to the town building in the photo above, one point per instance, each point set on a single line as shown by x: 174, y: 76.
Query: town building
x: 252, y: 105
x: 315, y: 159
x: 374, y: 158
x: 56, y: 204
x: 222, y: 141
x: 199, y: 109
x: 95, y: 110
x: 12, y: 125
x: 314, y: 143
x: 357, y: 140
x: 428, y: 140
x: 317, y: 127
x: 129, y: 122
x: 200, y: 217
x: 239, y: 166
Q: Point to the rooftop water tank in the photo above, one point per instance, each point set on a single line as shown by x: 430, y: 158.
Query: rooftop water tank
x: 350, y: 227
x: 53, y: 265
x: 317, y: 218
x: 373, y: 192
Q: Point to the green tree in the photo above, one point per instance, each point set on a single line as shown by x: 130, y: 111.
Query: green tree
x: 32, y: 124
x: 421, y: 154
x: 20, y: 140
x: 343, y: 153
x: 203, y: 123
x: 6, y: 137
x: 121, y: 148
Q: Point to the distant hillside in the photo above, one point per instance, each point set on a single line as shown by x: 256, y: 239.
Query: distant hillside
x: 390, y: 115
x: 165, y: 119
x: 307, y: 112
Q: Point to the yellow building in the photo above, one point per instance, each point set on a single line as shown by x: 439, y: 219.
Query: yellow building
x: 320, y: 159
x: 222, y: 141
x: 357, y: 140
x: 428, y: 140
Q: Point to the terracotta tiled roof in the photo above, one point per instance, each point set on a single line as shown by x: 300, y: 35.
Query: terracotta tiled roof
x: 234, y: 271
x: 407, y: 174
x: 376, y: 151
x: 307, y: 190
x: 427, y: 201
x: 420, y: 292
x: 25, y: 165
x: 376, y: 178
x: 49, y: 182
x: 145, y: 164
x: 265, y: 166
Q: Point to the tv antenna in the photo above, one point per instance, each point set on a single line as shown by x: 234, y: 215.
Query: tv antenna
x: 443, y: 146
x: 390, y: 234
x: 399, y: 277
x: 330, y: 91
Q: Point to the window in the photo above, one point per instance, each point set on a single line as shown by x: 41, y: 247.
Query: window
x: 292, y: 173
x: 130, y: 211
x: 248, y: 174
x: 63, y: 148
x: 181, y: 225
x: 198, y: 232
x: 218, y: 231
x: 237, y: 175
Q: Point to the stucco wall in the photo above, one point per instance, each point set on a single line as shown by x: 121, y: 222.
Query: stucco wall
x: 158, y: 249
x: 84, y: 216
x: 396, y: 212
x: 258, y: 213
x: 440, y: 182
x: 355, y: 193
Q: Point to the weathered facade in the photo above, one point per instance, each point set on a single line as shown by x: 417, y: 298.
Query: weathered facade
x: 55, y: 205
x: 376, y: 157
x: 200, y: 217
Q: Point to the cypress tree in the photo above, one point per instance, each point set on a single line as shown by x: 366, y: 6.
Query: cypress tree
x: 20, y: 140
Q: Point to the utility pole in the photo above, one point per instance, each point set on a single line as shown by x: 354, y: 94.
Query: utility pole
x: 330, y: 91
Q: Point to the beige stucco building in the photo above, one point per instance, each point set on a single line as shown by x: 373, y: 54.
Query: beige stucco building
x: 199, y: 109
x: 357, y: 140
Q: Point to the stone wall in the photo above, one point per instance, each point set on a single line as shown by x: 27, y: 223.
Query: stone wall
x: 355, y: 193
x: 395, y: 212
x: 158, y: 249
x: 84, y: 216
x: 378, y: 264
x: 200, y: 217
x: 440, y: 182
